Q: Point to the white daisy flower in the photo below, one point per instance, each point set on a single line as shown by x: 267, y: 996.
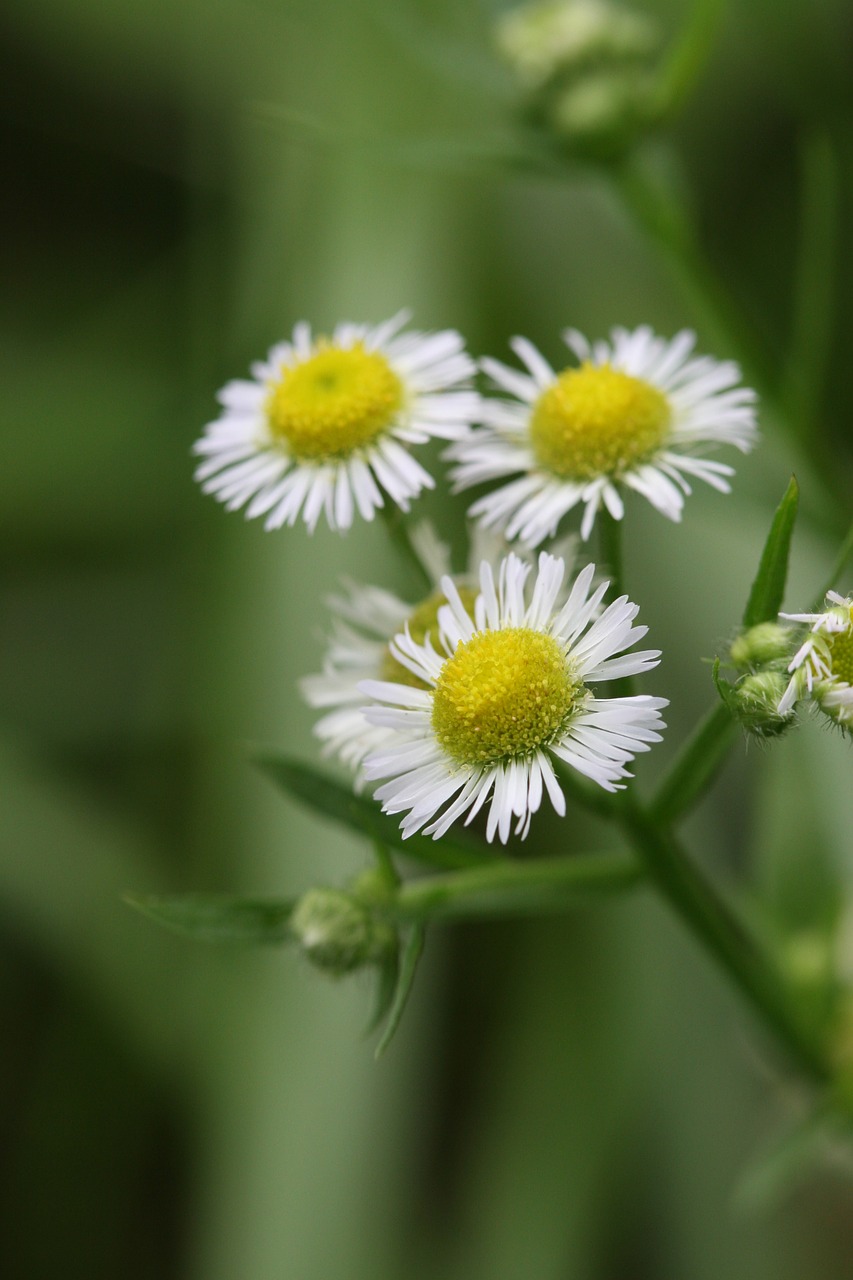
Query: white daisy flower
x: 822, y: 668
x: 326, y: 424
x: 365, y: 620
x: 509, y: 689
x: 636, y: 412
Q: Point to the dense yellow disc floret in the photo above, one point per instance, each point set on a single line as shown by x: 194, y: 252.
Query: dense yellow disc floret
x: 334, y: 402
x: 502, y: 695
x: 840, y: 645
x: 423, y: 621
x: 596, y: 420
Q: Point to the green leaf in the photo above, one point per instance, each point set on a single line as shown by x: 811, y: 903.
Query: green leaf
x: 388, y: 977
x: 220, y: 918
x: 331, y: 799
x: 768, y: 589
x: 412, y: 950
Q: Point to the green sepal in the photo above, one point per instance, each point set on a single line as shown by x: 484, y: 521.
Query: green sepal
x: 412, y: 949
x: 220, y: 917
x: 768, y: 589
x: 331, y: 799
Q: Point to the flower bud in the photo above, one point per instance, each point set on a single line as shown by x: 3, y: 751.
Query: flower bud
x: 762, y: 644
x: 755, y: 702
x: 600, y: 115
x: 561, y: 37
x: 584, y: 69
x: 338, y: 933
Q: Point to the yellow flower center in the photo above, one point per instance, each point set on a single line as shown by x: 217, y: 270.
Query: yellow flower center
x: 423, y: 620
x: 334, y: 402
x: 503, y: 694
x: 595, y: 420
x: 840, y: 645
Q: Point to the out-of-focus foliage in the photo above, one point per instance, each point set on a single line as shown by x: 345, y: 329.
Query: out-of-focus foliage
x: 571, y: 1097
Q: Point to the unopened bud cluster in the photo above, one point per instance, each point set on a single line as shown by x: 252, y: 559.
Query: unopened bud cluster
x: 339, y: 932
x: 762, y: 653
x: 584, y: 67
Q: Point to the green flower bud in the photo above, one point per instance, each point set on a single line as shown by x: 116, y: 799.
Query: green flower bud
x: 765, y: 643
x: 562, y: 37
x: 338, y: 933
x: 755, y: 702
x: 600, y: 115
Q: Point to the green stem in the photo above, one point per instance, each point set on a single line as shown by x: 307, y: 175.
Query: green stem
x: 688, y: 56
x: 398, y: 529
x: 814, y: 291
x: 517, y: 888
x: 668, y: 224
x: 696, y: 766
x: 713, y: 922
x: 837, y: 569
x: 610, y: 551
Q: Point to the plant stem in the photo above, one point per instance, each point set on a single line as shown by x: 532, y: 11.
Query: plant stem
x: 713, y: 922
x: 517, y: 888
x: 838, y: 568
x: 688, y: 55
x: 395, y: 523
x: 695, y: 767
x: 610, y: 553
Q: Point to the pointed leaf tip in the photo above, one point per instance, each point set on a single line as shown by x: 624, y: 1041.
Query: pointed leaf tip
x: 219, y: 917
x: 768, y: 589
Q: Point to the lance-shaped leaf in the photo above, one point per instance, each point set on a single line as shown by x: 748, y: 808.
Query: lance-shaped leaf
x: 331, y: 799
x: 219, y: 917
x: 412, y: 948
x: 768, y: 589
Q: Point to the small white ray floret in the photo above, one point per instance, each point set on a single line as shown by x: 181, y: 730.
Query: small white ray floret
x: 326, y: 426
x: 506, y: 693
x: 637, y: 412
x: 822, y: 668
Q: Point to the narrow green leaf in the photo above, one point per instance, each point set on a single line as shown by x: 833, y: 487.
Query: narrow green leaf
x: 412, y: 950
x: 387, y: 978
x: 220, y: 918
x: 768, y: 589
x: 331, y: 799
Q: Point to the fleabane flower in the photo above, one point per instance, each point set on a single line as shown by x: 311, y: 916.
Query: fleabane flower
x: 365, y: 620
x: 636, y: 411
x: 508, y: 690
x: 822, y: 668
x: 325, y: 425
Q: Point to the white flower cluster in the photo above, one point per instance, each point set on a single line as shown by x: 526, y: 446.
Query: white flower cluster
x: 482, y: 692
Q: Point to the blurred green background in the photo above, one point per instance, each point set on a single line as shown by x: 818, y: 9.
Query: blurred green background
x: 567, y: 1099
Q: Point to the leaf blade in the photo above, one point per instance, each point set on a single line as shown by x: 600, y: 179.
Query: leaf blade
x: 768, y: 589
x: 412, y: 950
x: 334, y: 801
x: 219, y: 917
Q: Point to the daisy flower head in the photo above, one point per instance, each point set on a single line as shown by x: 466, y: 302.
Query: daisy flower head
x: 325, y: 425
x: 365, y: 620
x: 637, y: 411
x: 822, y: 668
x: 507, y: 690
